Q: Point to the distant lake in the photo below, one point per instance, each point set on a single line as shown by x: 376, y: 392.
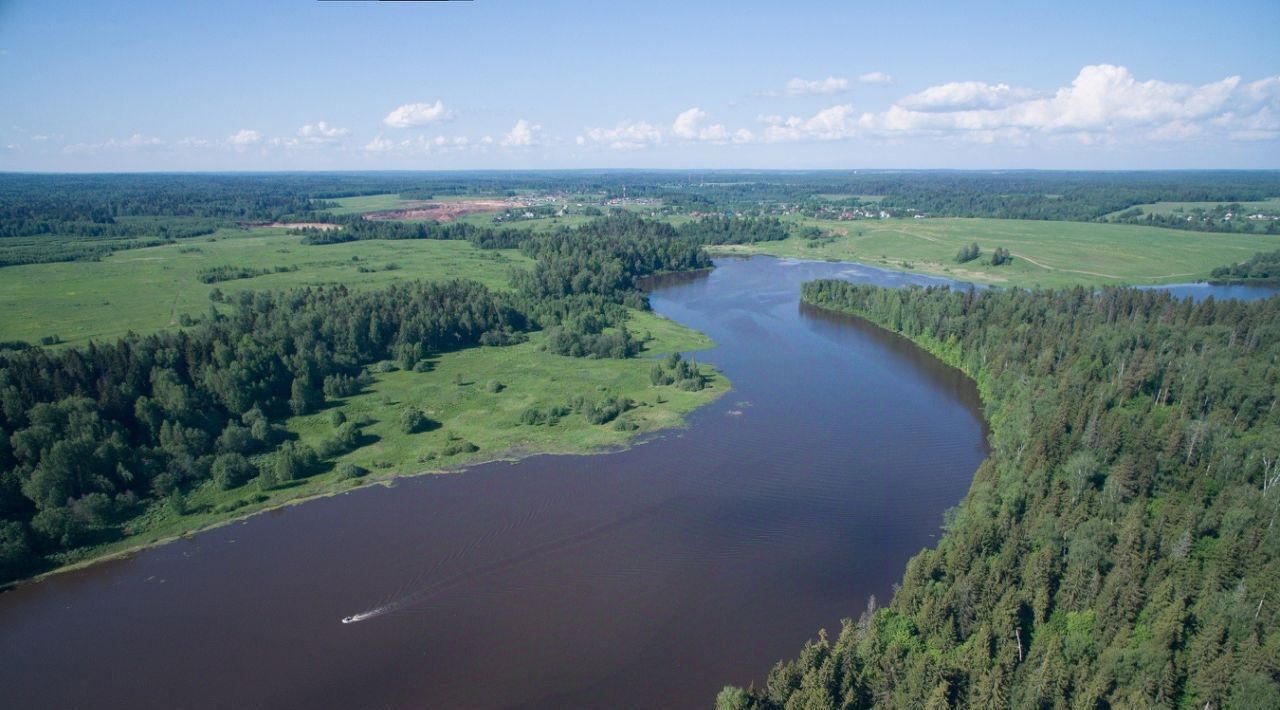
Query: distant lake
x: 649, y: 577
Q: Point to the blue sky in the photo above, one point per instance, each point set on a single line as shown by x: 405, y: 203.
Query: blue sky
x: 305, y: 85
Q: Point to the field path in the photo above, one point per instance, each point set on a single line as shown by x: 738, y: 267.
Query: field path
x: 173, y: 310
x: 1074, y: 271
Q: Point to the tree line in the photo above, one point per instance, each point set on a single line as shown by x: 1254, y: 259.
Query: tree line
x: 1119, y: 546
x: 1259, y: 268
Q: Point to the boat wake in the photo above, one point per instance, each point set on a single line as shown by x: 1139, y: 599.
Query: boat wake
x: 502, y: 565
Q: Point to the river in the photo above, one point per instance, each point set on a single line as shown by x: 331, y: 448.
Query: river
x: 648, y: 577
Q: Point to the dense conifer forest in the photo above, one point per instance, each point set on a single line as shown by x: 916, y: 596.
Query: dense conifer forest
x: 1117, y: 549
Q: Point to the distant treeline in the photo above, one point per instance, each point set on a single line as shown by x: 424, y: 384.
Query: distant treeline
x: 89, y: 437
x: 66, y: 210
x: 708, y: 230
x: 1260, y: 268
x: 1117, y: 549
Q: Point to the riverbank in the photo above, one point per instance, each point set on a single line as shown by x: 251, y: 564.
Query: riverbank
x: 1074, y: 532
x: 471, y: 424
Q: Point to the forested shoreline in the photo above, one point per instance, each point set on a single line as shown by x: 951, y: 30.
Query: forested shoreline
x: 1262, y: 268
x: 90, y: 437
x: 1117, y: 549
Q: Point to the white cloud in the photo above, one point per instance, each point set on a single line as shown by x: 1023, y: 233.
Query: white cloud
x: 321, y: 132
x: 244, y: 137
x: 419, y: 114
x: 487, y: 140
x: 379, y: 145
x: 627, y: 135
x: 833, y: 123
x: 522, y: 135
x: 807, y: 87
x: 688, y: 125
x: 1104, y: 105
x: 965, y: 95
x: 137, y: 141
x: 875, y: 78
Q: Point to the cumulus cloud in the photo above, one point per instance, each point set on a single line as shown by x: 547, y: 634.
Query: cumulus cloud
x: 419, y: 114
x: 1104, y: 103
x: 689, y: 126
x: 875, y: 78
x: 522, y: 135
x: 627, y: 135
x: 321, y: 132
x: 965, y: 95
x: 244, y: 138
x: 807, y: 87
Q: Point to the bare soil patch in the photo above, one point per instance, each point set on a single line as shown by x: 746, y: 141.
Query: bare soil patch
x: 440, y: 211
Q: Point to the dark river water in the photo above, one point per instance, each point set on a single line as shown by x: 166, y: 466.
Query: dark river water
x: 645, y: 578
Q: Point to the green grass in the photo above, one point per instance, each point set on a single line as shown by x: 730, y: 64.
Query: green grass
x: 1168, y: 208
x: 367, y: 203
x: 145, y: 290
x: 455, y: 394
x: 1045, y: 253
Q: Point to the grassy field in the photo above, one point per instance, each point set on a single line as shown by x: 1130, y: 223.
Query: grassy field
x: 1168, y: 208
x: 1045, y: 253
x: 457, y: 396
x: 148, y: 289
x: 367, y: 203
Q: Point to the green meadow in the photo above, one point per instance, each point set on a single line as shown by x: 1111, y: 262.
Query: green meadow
x: 366, y: 203
x: 1045, y: 254
x: 145, y: 290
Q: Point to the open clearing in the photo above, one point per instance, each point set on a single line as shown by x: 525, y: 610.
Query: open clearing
x: 441, y: 211
x: 367, y: 203
x: 144, y: 290
x: 1168, y: 208
x: 1045, y: 253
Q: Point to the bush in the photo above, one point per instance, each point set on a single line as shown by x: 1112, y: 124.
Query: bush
x: 459, y: 447
x: 231, y: 470
x: 349, y: 470
x: 412, y: 420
